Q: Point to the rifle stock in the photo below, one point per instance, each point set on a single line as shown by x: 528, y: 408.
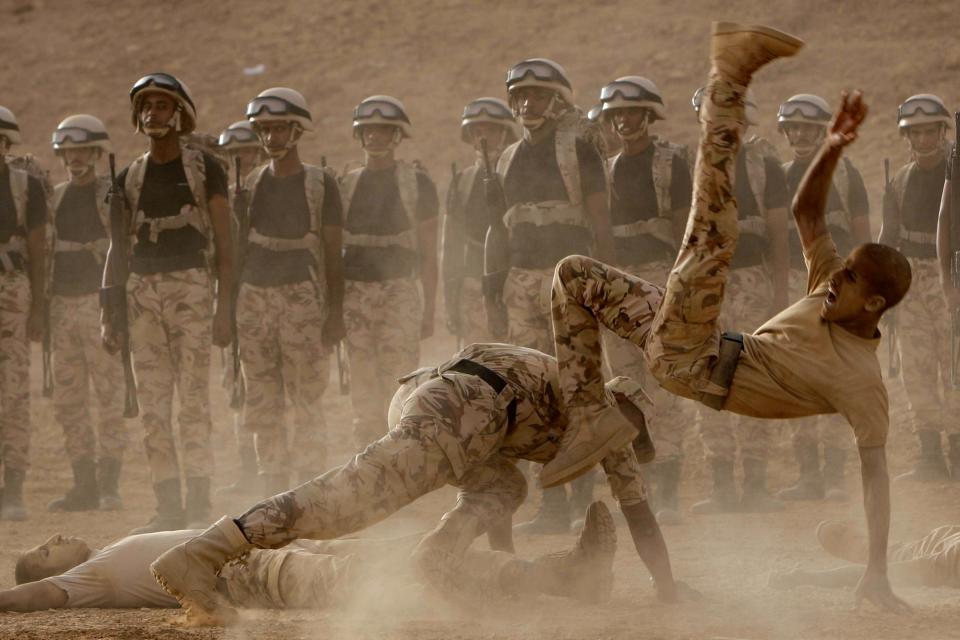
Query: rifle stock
x: 238, y: 393
x: 114, y: 297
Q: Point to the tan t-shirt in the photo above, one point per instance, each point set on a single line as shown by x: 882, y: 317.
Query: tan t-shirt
x: 798, y: 364
x: 118, y: 576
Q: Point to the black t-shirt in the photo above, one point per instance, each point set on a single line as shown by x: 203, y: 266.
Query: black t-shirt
x: 280, y: 210
x: 376, y: 209
x: 634, y: 198
x: 77, y: 219
x: 165, y: 191
x: 36, y: 214
x: 534, y: 176
x: 858, y: 202
x: 751, y: 248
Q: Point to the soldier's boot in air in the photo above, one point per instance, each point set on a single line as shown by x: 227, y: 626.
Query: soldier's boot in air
x: 724, y: 496
x: 584, y: 571
x: 667, y: 490
x: 593, y: 432
x: 169, y: 515
x: 248, y: 484
x: 108, y: 479
x: 197, y: 503
x: 756, y: 498
x: 188, y: 572
x: 737, y: 51
x: 930, y: 467
x: 12, y: 507
x: 810, y: 484
x: 274, y: 484
x: 553, y: 517
x: 843, y: 540
x: 954, y: 454
x: 84, y: 495
x: 581, y: 496
x: 834, y: 474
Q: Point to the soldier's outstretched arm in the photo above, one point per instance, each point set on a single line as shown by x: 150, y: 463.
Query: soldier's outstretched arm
x: 809, y: 206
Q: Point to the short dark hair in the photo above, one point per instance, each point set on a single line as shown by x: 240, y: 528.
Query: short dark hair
x: 889, y: 272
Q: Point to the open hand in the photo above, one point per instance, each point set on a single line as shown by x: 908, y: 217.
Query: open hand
x: 875, y: 588
x: 847, y: 120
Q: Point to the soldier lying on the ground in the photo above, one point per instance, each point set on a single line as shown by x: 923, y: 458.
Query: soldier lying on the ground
x: 67, y: 573
x: 930, y: 561
x: 462, y: 424
x: 818, y: 356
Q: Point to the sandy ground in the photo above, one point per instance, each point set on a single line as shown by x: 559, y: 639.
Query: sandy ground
x: 436, y: 55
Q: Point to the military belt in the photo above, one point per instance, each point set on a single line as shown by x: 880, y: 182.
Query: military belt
x: 493, y: 379
x: 721, y: 376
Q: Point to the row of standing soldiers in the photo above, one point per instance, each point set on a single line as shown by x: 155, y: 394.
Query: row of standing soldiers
x: 322, y: 260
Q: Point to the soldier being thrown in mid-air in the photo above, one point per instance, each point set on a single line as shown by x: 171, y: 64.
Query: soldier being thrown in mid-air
x: 464, y: 423
x: 817, y: 356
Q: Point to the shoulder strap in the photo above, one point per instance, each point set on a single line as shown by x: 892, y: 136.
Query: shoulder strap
x: 899, y: 184
x: 57, y: 198
x: 195, y: 169
x: 315, y: 190
x: 663, y: 176
x: 566, y: 143
x: 19, y: 188
x: 506, y: 159
x: 349, y: 184
x: 133, y: 183
x: 465, y: 186
x: 756, y: 174
x: 409, y: 191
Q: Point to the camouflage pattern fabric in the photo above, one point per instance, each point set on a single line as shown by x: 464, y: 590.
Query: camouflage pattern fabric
x: 677, y: 326
x: 14, y: 371
x: 171, y: 335
x: 526, y: 295
x: 831, y: 430
x: 383, y: 343
x: 672, y: 415
x: 746, y: 306
x: 923, y: 336
x: 472, y: 312
x: 452, y: 430
x: 79, y: 363
x: 283, y: 356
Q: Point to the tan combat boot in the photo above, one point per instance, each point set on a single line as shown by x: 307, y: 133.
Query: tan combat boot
x: 737, y: 51
x: 584, y: 572
x: 188, y: 572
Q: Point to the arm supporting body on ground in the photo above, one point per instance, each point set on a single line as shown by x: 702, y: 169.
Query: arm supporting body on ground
x: 33, y: 596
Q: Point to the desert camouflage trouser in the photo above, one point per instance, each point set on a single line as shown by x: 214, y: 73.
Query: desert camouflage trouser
x: 939, y: 553
x: 526, y: 295
x: 746, y: 306
x: 79, y: 362
x: 830, y: 430
x: 14, y: 370
x: 383, y: 343
x: 171, y: 337
x: 672, y: 414
x: 923, y: 336
x: 473, y: 312
x: 283, y: 357
x: 677, y: 326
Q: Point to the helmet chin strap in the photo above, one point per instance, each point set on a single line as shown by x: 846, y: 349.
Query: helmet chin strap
x: 159, y: 131
x: 636, y: 135
x: 281, y: 153
x: 933, y: 153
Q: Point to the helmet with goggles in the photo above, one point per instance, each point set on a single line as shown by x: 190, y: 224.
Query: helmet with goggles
x: 9, y: 127
x: 169, y: 85
x: 239, y: 135
x: 922, y: 108
x: 81, y: 130
x: 633, y: 91
x: 384, y: 110
x: 280, y: 104
x: 491, y: 110
x: 750, y: 106
x: 543, y: 73
x: 804, y: 108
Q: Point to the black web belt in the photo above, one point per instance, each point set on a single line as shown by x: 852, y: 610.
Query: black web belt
x: 493, y: 379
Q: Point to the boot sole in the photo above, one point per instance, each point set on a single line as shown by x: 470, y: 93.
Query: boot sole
x: 620, y: 439
x: 196, y: 615
x: 792, y: 42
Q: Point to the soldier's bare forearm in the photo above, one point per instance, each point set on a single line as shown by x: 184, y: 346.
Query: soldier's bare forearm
x: 876, y: 503
x: 810, y: 203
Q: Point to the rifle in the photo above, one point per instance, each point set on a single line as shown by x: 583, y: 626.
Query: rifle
x: 241, y: 207
x: 343, y: 365
x: 893, y: 353
x: 496, y: 250
x: 113, y: 298
x: 955, y: 258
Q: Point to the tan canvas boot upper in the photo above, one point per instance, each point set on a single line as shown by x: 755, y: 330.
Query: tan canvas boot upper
x: 739, y: 50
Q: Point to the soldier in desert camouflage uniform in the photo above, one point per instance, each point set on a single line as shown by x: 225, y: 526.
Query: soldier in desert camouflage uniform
x: 803, y: 121
x: 390, y: 211
x: 463, y: 423
x: 180, y: 224
x: 80, y: 242
x: 23, y: 257
x: 289, y: 310
x: 911, y: 208
x: 465, y: 222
